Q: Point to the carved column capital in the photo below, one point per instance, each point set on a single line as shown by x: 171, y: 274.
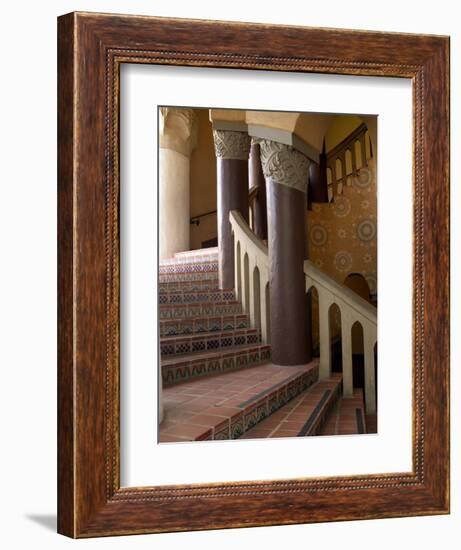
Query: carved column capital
x: 178, y: 129
x: 230, y: 144
x: 284, y: 164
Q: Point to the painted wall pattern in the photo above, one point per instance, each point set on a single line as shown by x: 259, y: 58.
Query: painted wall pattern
x: 342, y: 235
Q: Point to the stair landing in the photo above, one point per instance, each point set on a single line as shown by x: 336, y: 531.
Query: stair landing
x: 304, y: 415
x: 348, y: 417
x: 227, y: 405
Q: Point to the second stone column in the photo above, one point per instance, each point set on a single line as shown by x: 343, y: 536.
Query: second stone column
x: 286, y: 173
x: 232, y: 152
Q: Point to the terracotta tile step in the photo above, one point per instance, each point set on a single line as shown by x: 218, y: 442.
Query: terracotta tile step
x: 348, y: 416
x: 193, y: 325
x: 192, y: 267
x: 198, y: 255
x: 187, y: 286
x: 197, y: 365
x: 228, y: 405
x: 303, y: 416
x: 207, y: 341
x: 186, y: 276
x: 183, y: 311
x: 196, y: 296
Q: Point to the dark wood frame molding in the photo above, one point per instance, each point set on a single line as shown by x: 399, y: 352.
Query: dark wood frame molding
x: 91, y: 49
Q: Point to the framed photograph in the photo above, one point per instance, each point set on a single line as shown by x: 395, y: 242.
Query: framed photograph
x: 253, y: 258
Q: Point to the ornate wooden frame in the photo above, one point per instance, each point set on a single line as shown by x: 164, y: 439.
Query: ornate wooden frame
x: 91, y: 49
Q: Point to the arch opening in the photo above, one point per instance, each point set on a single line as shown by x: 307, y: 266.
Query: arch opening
x: 334, y: 320
x: 256, y: 298
x: 268, y: 313
x: 358, y: 365
x: 246, y: 282
x: 238, y: 282
x: 312, y: 301
x: 358, y: 283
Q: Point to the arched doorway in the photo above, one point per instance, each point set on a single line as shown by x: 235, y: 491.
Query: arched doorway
x: 358, y: 283
x: 238, y: 282
x: 268, y: 313
x: 358, y: 369
x: 312, y: 300
x: 334, y: 319
x: 246, y: 283
x: 256, y: 298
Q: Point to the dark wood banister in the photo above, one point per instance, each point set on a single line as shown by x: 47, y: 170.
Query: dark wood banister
x: 196, y: 219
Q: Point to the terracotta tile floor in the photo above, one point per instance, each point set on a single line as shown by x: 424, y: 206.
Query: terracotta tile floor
x: 343, y: 419
x: 193, y: 407
x: 289, y: 420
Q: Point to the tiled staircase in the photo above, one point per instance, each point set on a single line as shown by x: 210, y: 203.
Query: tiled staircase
x: 203, y: 330
x: 218, y: 381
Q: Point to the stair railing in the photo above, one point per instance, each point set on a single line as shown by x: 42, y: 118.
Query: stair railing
x: 251, y: 262
x: 353, y: 309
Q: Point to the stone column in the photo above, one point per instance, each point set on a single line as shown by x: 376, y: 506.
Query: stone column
x: 177, y: 138
x: 286, y: 173
x: 232, y: 150
x: 257, y: 180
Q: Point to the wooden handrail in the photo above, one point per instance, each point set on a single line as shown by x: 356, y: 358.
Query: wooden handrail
x: 196, y: 219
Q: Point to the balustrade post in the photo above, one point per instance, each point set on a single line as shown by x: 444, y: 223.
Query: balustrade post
x: 346, y: 345
x: 324, y: 336
x: 245, y: 298
x: 369, y: 339
x: 264, y: 305
x: 251, y: 295
x: 238, y: 268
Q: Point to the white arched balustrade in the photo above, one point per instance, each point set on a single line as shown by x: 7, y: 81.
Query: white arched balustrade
x: 251, y: 281
x: 353, y: 309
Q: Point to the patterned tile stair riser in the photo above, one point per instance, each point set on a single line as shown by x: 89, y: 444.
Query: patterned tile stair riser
x: 177, y: 370
x: 181, y: 311
x: 188, y: 286
x: 194, y: 325
x: 188, y: 276
x: 178, y: 345
x: 196, y: 297
x: 192, y: 267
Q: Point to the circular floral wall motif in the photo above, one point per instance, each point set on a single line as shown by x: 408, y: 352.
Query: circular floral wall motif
x: 319, y: 235
x: 343, y: 261
x: 366, y: 230
x: 342, y: 206
x: 363, y: 178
